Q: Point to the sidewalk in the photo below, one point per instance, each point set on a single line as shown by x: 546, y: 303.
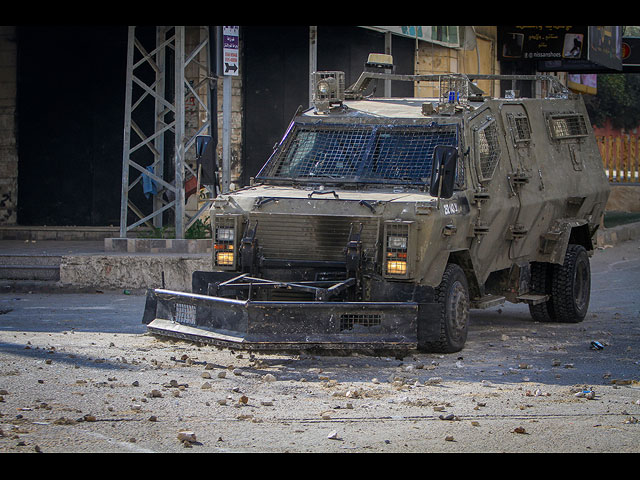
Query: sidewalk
x: 77, y: 265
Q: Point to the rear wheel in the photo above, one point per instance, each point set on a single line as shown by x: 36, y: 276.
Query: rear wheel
x: 569, y: 286
x: 453, y: 296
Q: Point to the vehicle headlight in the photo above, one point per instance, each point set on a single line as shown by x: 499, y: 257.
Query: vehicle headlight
x: 224, y: 234
x: 397, y: 242
x: 224, y: 259
x: 323, y: 88
x: 396, y: 259
x: 224, y: 241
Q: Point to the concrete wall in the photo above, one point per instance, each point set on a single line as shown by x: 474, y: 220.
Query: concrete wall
x: 8, y: 146
x: 624, y: 198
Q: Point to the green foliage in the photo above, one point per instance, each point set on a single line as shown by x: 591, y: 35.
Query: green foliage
x: 199, y: 229
x: 618, y: 100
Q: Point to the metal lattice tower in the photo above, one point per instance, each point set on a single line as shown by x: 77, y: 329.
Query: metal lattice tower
x: 178, y: 84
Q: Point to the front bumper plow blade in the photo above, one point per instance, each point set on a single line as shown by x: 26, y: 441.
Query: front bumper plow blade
x: 283, y: 325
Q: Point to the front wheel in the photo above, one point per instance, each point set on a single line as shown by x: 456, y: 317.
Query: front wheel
x: 453, y: 296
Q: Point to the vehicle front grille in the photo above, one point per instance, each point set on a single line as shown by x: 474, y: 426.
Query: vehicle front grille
x: 312, y: 237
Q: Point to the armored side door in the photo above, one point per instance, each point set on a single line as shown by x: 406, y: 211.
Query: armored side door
x: 495, y: 208
x: 525, y: 183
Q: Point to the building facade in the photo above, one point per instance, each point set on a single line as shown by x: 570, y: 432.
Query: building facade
x: 62, y: 102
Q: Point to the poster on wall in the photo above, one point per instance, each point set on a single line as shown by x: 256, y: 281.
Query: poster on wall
x: 562, y: 48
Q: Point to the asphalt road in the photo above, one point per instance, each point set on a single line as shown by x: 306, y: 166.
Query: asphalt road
x: 79, y: 373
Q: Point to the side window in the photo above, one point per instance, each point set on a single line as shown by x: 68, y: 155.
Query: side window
x: 520, y: 129
x: 487, y: 150
x: 571, y: 125
x: 569, y: 129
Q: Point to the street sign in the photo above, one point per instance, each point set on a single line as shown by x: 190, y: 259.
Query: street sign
x: 230, y: 44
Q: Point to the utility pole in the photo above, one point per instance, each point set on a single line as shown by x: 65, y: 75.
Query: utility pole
x: 150, y: 78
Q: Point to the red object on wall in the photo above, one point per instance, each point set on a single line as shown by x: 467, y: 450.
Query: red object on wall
x: 190, y: 187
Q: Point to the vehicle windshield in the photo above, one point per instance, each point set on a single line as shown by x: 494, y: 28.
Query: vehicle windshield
x: 360, y: 153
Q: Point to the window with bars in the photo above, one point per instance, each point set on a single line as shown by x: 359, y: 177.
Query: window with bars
x: 567, y: 126
x: 487, y: 150
x: 364, y: 154
x: 520, y: 128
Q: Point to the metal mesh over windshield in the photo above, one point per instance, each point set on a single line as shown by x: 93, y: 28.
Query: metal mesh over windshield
x: 362, y: 153
x: 324, y: 153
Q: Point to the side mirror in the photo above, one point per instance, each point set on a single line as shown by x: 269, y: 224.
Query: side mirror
x: 443, y: 170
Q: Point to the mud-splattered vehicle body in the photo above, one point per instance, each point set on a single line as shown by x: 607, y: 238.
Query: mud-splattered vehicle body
x: 379, y: 223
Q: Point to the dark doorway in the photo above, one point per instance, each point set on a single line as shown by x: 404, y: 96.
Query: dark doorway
x: 70, y: 104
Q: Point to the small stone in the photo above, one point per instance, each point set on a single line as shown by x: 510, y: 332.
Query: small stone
x: 333, y: 435
x: 520, y: 430
x: 222, y: 374
x: 187, y: 436
x: 450, y: 417
x: 205, y: 386
x: 205, y: 375
x: 433, y: 380
x: 269, y: 378
x: 449, y: 438
x: 155, y: 393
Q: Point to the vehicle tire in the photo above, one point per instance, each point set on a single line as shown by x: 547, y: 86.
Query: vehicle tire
x: 453, y: 296
x: 571, y: 286
x: 541, y: 285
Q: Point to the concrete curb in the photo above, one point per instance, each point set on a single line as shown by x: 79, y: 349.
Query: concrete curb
x: 140, y: 271
x: 612, y: 236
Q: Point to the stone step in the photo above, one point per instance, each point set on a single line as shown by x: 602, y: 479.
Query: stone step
x: 30, y: 267
x: 30, y: 272
x: 27, y: 259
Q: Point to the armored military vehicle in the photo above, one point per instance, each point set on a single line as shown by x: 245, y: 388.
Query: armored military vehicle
x: 378, y: 223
